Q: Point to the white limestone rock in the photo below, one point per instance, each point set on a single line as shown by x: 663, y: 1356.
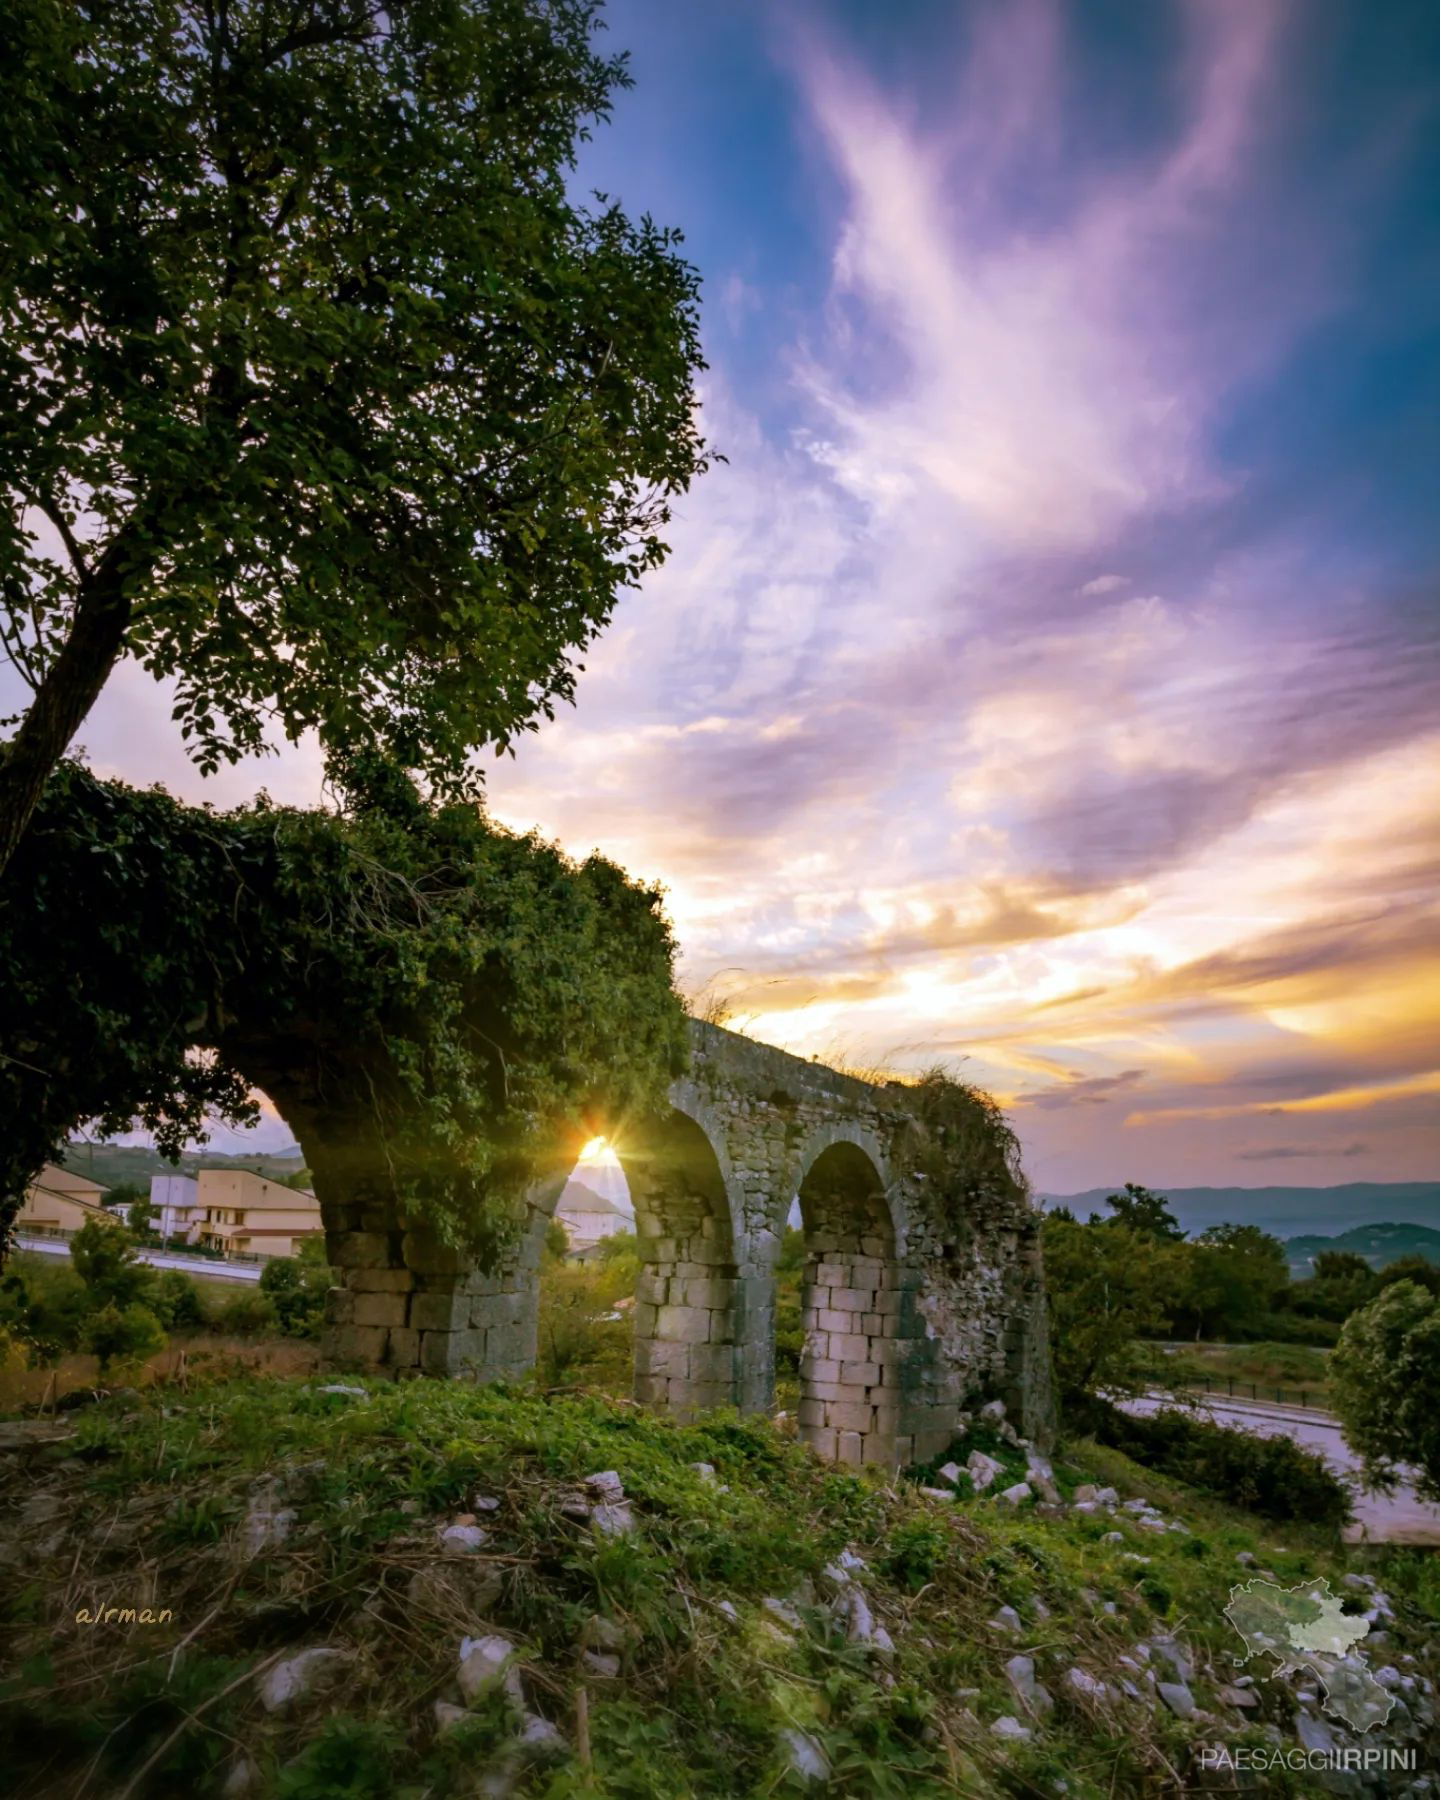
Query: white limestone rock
x: 1084, y: 1686
x: 1017, y: 1495
x: 982, y: 1470
x: 484, y: 1664
x: 804, y: 1755
x: 267, y: 1529
x: 1177, y: 1697
x: 448, y: 1715
x: 1032, y: 1694
x: 461, y: 1540
x: 614, y: 1519
x: 296, y: 1677
x: 605, y: 1486
x: 540, y: 1741
x: 1010, y: 1728
x: 600, y: 1633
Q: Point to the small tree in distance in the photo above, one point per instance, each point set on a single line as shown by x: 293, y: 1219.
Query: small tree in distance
x: 1141, y: 1211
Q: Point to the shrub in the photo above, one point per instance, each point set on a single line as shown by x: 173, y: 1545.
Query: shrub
x: 44, y: 1308
x: 1271, y: 1476
x: 175, y: 1301
x: 1386, y: 1373
x: 123, y: 1335
x: 247, y: 1314
x: 103, y: 1256
x: 296, y: 1287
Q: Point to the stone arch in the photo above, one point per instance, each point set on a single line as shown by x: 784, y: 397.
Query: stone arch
x: 851, y: 1364
x: 688, y: 1299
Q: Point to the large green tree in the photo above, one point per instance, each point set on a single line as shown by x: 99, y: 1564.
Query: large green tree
x: 1108, y: 1286
x: 1385, y: 1382
x: 319, y: 390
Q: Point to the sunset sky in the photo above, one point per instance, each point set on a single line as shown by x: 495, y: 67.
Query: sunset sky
x: 1048, y: 683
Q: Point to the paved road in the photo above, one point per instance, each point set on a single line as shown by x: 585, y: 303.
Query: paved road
x: 160, y: 1259
x: 1398, y: 1518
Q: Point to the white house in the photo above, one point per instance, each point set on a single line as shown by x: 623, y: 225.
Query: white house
x: 176, y: 1200
x: 588, y: 1216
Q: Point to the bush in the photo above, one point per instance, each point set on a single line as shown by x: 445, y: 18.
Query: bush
x: 175, y: 1301
x: 296, y: 1287
x: 1271, y: 1476
x: 123, y: 1335
x: 1386, y: 1374
x: 43, y: 1307
x: 1301, y: 1328
x: 247, y: 1314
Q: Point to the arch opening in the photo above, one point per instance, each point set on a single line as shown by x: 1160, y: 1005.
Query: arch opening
x: 850, y: 1364
x: 687, y: 1298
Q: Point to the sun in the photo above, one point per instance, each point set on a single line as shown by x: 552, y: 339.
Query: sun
x: 594, y: 1150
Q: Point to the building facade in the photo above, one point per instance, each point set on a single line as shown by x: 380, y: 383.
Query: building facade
x: 59, y: 1201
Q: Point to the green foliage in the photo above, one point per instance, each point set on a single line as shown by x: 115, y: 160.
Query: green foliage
x: 248, y: 1313
x: 348, y: 1759
x: 175, y: 1301
x: 557, y: 1241
x: 585, y: 1338
x: 1385, y: 1375
x: 1107, y: 1288
x: 465, y: 996
x: 104, y: 1258
x: 960, y: 1126
x: 1417, y: 1269
x: 362, y: 420
x: 126, y: 1335
x: 1144, y: 1213
x: 1227, y: 1282
x: 708, y: 1681
x: 296, y: 1287
x: 43, y: 1308
x: 1342, y: 1265
x: 1271, y: 1476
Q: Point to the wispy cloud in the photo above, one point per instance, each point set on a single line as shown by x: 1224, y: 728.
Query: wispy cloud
x: 991, y: 706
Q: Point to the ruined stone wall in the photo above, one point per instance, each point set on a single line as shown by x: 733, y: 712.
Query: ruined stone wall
x: 923, y: 1290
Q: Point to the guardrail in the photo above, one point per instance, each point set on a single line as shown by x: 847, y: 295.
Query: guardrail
x: 172, y: 1246
x: 1256, y: 1390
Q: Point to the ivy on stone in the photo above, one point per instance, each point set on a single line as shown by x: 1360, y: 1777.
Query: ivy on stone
x: 432, y: 1002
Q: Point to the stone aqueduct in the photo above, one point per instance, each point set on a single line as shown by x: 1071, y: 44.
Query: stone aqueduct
x: 920, y: 1294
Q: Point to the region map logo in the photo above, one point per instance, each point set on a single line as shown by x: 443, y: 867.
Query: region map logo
x: 1304, y: 1629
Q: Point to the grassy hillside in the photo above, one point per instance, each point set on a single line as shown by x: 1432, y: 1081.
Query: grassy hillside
x: 715, y: 1632
x: 110, y: 1164
x: 1380, y: 1245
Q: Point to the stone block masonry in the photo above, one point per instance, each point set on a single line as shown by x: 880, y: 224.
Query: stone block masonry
x: 923, y: 1286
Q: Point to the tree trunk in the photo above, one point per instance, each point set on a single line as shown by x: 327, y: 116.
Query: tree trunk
x: 69, y: 689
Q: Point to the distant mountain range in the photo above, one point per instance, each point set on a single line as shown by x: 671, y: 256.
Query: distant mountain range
x: 1380, y: 1245
x: 1286, y: 1211
x: 110, y: 1164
